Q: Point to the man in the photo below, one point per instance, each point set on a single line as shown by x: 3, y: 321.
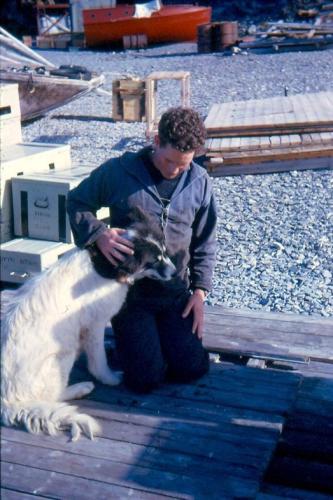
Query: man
x: 158, y: 331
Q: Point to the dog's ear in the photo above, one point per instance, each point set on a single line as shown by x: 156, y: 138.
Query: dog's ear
x: 137, y: 214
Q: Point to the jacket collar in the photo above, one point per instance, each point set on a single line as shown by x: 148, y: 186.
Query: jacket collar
x: 134, y: 165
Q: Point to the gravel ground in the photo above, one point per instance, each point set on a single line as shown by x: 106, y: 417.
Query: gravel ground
x: 275, y: 230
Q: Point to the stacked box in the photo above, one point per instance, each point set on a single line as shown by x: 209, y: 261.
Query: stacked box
x: 40, y: 204
x: 128, y: 99
x: 21, y: 159
x: 23, y: 258
x: 10, y: 115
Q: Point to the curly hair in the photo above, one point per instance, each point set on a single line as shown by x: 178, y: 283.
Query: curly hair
x: 182, y: 128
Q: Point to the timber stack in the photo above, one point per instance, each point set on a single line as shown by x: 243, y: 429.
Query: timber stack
x: 297, y: 35
x: 270, y: 135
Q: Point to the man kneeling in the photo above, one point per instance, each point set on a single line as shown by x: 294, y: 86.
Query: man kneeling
x: 159, y: 329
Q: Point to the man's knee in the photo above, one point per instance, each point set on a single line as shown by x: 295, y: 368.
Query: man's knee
x: 190, y: 370
x: 144, y: 379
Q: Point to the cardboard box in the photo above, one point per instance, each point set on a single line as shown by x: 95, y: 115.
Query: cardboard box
x: 9, y: 101
x: 39, y: 204
x: 25, y: 158
x: 23, y: 258
x: 10, y: 131
x: 10, y: 115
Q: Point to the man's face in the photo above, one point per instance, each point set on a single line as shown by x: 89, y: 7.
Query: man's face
x: 171, y: 162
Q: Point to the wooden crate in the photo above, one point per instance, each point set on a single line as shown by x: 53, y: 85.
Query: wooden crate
x: 224, y: 35
x: 204, y: 38
x: 216, y: 37
x: 151, y: 95
x: 45, y: 42
x: 39, y: 204
x: 10, y: 115
x: 23, y: 258
x: 22, y: 159
x: 128, y: 100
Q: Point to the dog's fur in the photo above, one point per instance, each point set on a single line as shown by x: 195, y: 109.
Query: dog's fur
x: 58, y: 314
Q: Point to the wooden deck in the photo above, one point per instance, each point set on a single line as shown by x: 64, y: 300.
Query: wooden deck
x: 240, y: 432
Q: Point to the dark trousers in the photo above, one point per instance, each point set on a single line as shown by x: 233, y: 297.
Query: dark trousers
x: 154, y: 343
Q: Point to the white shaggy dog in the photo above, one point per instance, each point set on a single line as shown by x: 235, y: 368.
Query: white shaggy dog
x: 57, y: 315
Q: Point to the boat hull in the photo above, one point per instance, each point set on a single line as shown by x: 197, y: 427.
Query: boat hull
x: 41, y: 94
x: 173, y: 23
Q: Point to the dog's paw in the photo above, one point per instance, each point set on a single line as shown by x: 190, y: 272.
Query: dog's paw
x: 111, y: 378
x: 86, y: 388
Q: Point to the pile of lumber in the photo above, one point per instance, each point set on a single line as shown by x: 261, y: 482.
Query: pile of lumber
x: 322, y: 11
x: 270, y: 135
x: 281, y: 35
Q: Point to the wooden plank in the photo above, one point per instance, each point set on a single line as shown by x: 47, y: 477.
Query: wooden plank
x: 266, y: 331
x: 269, y: 166
x: 225, y: 430
x: 289, y: 153
x: 159, y: 484
x: 304, y: 454
x: 286, y: 321
x: 273, y: 491
x: 120, y: 457
x: 299, y: 473
x: 55, y: 485
x: 16, y: 495
x: 270, y: 335
x: 277, y: 130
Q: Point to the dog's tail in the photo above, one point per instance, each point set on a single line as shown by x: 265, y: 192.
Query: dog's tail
x: 49, y: 417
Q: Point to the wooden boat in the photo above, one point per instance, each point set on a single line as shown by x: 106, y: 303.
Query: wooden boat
x: 172, y: 23
x: 42, y: 86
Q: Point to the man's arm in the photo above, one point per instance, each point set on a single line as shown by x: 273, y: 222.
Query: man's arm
x: 203, y: 247
x: 203, y: 250
x: 83, y: 202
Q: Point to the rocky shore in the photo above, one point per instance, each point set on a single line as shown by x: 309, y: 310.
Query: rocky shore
x: 275, y: 230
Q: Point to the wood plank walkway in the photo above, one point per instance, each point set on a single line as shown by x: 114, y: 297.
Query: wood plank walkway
x: 239, y: 432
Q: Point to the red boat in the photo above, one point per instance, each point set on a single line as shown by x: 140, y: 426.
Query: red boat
x: 172, y: 23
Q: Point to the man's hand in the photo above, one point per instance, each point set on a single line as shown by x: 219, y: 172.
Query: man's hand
x: 196, y: 305
x: 113, y: 246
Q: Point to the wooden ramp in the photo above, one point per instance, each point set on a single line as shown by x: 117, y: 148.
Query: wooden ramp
x: 232, y: 434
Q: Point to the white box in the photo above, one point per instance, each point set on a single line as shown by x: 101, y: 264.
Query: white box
x: 10, y: 115
x: 10, y: 131
x: 9, y: 101
x: 22, y: 258
x: 39, y: 204
x: 26, y: 158
x: 6, y: 230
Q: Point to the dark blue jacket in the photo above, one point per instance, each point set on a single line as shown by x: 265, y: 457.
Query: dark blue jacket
x: 190, y: 219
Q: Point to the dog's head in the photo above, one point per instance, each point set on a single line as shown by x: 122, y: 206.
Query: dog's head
x: 149, y: 260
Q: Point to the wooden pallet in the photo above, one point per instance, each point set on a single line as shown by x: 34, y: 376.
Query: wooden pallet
x: 300, y: 113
